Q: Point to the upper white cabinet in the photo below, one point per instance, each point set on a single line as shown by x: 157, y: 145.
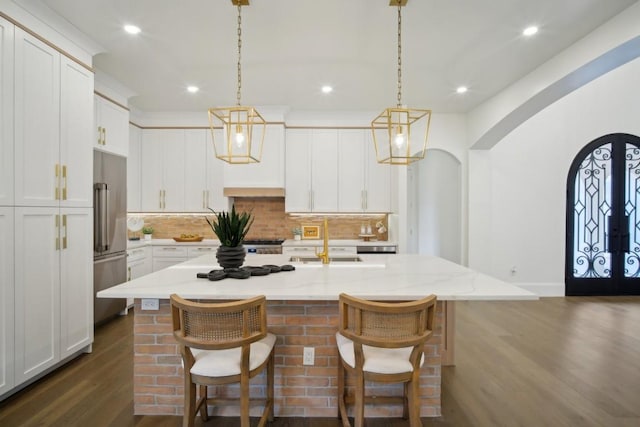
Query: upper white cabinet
x: 6, y: 301
x: 179, y: 172
x: 162, y: 168
x: 53, y: 117
x: 365, y: 185
x: 76, y: 155
x: 133, y: 169
x: 6, y: 114
x: 311, y: 170
x: 203, y: 173
x: 112, y: 126
x: 269, y: 173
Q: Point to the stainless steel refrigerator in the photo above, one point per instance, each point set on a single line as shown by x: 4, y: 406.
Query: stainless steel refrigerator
x: 109, y: 231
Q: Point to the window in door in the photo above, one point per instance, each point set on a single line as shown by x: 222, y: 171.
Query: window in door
x: 603, y: 222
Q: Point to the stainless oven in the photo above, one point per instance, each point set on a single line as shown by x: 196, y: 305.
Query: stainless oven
x: 263, y: 246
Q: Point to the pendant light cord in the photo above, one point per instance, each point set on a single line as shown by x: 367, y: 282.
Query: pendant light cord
x: 239, y: 54
x: 399, y: 55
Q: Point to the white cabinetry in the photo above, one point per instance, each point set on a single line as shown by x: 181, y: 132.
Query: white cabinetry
x: 311, y: 250
x: 166, y: 256
x: 53, y: 103
x: 196, y: 251
x: 162, y: 170
x: 46, y: 255
x: 179, y: 172
x: 203, y: 173
x: 53, y: 286
x: 133, y: 169
x: 6, y: 301
x: 365, y: 185
x: 6, y: 115
x: 269, y: 173
x: 311, y: 170
x: 112, y: 126
x: 139, y: 263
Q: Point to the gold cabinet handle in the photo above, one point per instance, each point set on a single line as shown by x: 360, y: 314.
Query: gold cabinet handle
x: 57, y: 191
x: 204, y: 195
x: 129, y: 274
x: 160, y: 199
x: 104, y: 136
x: 64, y: 177
x: 57, y: 232
x: 64, y: 237
x: 99, y: 135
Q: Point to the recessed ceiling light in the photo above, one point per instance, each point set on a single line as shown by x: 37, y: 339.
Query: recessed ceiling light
x: 193, y: 89
x: 132, y: 29
x: 529, y: 31
x: 461, y: 89
x: 327, y: 89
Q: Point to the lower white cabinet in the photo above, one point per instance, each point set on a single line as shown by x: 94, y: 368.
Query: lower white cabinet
x: 53, y: 286
x: 313, y: 249
x: 6, y: 301
x: 139, y: 262
x: 196, y: 251
x: 166, y: 256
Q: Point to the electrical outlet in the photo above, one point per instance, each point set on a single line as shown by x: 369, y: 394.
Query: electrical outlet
x: 150, y: 304
x: 308, y: 356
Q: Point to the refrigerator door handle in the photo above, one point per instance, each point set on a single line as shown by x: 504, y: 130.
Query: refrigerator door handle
x: 101, y: 207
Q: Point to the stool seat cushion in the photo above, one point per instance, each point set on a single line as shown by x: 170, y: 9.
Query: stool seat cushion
x: 377, y: 360
x: 223, y: 363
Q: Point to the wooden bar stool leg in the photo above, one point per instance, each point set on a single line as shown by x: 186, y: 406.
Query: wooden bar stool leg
x: 342, y: 408
x: 270, y: 386
x: 245, y: 421
x: 189, y: 402
x: 359, y: 404
x: 414, y: 402
x: 204, y: 412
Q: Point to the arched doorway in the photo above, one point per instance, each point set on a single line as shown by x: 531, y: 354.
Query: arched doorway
x: 603, y: 221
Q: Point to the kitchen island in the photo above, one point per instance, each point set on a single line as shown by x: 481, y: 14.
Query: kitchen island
x: 302, y: 312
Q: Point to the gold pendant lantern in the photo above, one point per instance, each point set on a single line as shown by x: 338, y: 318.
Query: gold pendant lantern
x: 400, y: 133
x: 244, y: 127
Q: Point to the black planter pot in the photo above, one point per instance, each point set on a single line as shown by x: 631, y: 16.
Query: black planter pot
x: 231, y: 257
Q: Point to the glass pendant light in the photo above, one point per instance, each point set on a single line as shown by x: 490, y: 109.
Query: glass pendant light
x: 244, y: 128
x: 400, y: 133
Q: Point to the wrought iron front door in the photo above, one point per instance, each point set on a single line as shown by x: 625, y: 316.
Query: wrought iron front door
x: 603, y: 222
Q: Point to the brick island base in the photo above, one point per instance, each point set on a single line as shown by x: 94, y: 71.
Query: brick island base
x: 300, y: 391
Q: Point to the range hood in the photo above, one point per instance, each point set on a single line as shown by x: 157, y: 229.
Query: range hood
x: 253, y: 192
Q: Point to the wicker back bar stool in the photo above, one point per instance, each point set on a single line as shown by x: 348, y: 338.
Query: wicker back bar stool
x: 382, y: 342
x: 223, y: 343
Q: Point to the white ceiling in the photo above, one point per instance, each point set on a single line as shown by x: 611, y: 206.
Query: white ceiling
x: 292, y: 47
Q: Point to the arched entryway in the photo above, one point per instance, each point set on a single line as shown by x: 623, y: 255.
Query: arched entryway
x: 603, y: 221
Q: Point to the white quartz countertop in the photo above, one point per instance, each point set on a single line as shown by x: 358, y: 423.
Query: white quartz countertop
x: 383, y: 277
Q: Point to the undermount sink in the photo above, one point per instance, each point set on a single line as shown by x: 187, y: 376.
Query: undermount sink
x: 314, y: 259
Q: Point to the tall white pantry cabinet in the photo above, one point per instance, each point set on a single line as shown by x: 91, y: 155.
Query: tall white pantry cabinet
x: 51, y: 285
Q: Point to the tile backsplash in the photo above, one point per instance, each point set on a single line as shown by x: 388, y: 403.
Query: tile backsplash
x: 271, y: 222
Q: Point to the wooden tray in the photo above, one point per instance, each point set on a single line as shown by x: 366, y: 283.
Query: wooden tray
x: 188, y: 239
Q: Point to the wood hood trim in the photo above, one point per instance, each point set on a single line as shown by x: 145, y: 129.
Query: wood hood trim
x: 253, y: 192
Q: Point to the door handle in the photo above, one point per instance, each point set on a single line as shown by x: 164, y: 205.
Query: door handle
x: 624, y: 234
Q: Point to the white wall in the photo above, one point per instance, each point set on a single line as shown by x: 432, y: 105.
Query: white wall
x: 523, y: 226
x: 439, y: 185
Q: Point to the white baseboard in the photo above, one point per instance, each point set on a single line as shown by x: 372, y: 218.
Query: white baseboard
x: 543, y: 289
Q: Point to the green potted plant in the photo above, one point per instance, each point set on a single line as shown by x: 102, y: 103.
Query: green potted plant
x: 147, y: 231
x: 230, y: 228
x: 297, y: 233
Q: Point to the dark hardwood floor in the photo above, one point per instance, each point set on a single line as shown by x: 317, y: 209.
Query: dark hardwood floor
x: 554, y: 362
